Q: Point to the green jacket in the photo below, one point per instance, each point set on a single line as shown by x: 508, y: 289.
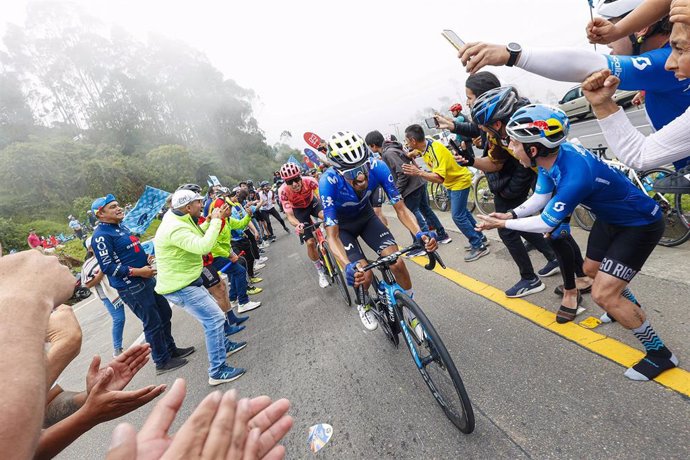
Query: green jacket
x: 180, y: 245
x: 222, y: 247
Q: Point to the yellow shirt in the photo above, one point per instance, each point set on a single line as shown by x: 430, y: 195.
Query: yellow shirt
x: 439, y: 159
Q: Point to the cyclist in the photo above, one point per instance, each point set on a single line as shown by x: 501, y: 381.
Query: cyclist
x: 628, y: 227
x: 299, y: 196
x: 345, y: 190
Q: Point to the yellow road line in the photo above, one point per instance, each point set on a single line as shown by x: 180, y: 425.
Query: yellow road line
x: 676, y: 379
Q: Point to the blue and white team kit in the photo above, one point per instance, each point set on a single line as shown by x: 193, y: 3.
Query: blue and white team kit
x: 352, y: 212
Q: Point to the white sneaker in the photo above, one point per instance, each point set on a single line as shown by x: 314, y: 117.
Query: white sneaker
x: 323, y: 281
x: 262, y: 259
x: 264, y: 245
x: 249, y: 306
x: 367, y: 317
x: 234, y: 304
x: 258, y: 266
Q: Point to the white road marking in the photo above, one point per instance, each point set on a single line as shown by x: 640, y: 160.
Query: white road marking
x: 85, y: 304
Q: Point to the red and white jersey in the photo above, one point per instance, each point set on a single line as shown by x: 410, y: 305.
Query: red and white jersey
x: 292, y: 199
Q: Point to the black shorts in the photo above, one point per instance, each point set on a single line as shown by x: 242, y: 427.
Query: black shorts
x: 259, y: 215
x: 304, y: 215
x: 378, y: 197
x: 371, y: 229
x: 209, y: 276
x: 622, y: 251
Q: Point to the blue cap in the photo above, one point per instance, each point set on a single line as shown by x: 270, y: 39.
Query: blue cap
x: 102, y: 201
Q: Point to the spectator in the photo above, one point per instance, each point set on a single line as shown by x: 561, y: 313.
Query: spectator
x: 93, y: 221
x: 244, y: 240
x: 121, y: 257
x: 33, y: 240
x: 180, y: 245
x: 93, y: 278
x: 463, y: 142
x: 268, y: 208
x: 76, y: 226
x: 412, y: 188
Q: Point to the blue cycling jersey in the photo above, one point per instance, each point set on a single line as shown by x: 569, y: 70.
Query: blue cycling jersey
x: 339, y: 199
x: 578, y: 176
x: 666, y: 97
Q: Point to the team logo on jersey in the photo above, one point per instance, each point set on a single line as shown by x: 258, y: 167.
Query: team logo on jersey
x: 641, y: 62
x: 327, y: 201
x: 390, y: 178
x: 349, y: 247
x: 333, y: 180
x: 559, y: 206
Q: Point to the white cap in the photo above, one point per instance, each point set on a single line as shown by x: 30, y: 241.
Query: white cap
x: 610, y: 9
x: 182, y: 198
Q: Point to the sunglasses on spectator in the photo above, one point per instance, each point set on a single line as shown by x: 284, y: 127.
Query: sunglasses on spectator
x: 293, y: 180
x: 353, y: 174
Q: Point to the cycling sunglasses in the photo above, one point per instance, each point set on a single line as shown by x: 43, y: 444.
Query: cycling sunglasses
x: 353, y: 174
x: 293, y: 180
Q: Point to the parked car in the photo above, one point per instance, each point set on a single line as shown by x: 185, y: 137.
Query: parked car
x: 575, y: 105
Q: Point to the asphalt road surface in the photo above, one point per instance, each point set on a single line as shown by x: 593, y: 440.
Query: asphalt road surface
x: 589, y: 134
x: 535, y: 394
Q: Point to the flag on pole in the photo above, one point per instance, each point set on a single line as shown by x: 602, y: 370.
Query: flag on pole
x: 313, y: 157
x: 150, y: 203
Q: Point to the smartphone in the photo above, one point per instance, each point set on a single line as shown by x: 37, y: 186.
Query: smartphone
x: 431, y: 123
x: 456, y: 149
x: 453, y: 38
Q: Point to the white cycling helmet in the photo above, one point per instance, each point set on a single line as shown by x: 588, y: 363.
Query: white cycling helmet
x: 347, y: 150
x: 611, y: 9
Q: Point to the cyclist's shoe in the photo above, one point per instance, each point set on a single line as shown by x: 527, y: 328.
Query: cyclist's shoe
x: 249, y: 306
x: 226, y: 374
x: 444, y: 239
x: 262, y: 259
x: 551, y: 268
x: 323, y: 281
x: 607, y: 319
x: 367, y: 317
x: 485, y: 242
x: 255, y: 280
x: 678, y: 182
x: 253, y: 290
x: 477, y: 253
x: 649, y: 367
x: 233, y: 347
x: 525, y: 287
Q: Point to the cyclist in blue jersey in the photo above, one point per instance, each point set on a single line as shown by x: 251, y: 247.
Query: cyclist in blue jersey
x: 637, y: 60
x: 626, y: 231
x: 345, y: 190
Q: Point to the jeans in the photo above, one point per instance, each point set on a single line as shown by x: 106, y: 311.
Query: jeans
x: 429, y: 215
x: 237, y: 275
x: 412, y: 201
x: 198, y: 302
x: 117, y: 313
x: 463, y: 218
x: 155, y: 313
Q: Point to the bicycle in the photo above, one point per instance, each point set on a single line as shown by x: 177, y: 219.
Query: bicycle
x: 439, y: 196
x: 393, y: 308
x: 334, y: 272
x: 483, y: 197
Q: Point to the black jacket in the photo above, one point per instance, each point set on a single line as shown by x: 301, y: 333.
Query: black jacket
x: 394, y: 156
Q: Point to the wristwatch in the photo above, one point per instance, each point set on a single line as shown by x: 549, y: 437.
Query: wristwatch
x: 514, y: 49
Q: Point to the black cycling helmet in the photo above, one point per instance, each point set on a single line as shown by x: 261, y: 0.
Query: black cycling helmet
x: 264, y: 183
x: 193, y: 187
x: 249, y: 182
x: 494, y: 105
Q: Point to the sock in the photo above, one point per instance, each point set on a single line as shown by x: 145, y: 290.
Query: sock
x: 565, y: 314
x: 627, y: 293
x: 651, y: 342
x: 318, y: 265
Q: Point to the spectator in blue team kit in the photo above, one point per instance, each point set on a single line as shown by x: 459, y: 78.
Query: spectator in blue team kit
x: 122, y: 258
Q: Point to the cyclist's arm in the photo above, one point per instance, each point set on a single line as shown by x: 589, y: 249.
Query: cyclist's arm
x: 562, y: 64
x: 671, y: 143
x: 533, y: 224
x: 336, y: 246
x: 406, y: 217
x: 533, y: 205
x: 291, y: 217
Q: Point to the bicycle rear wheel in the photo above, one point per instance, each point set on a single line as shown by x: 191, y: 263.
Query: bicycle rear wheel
x: 676, y: 230
x: 336, y: 275
x: 440, y: 196
x: 471, y: 205
x: 436, y: 366
x: 483, y: 196
x: 584, y: 218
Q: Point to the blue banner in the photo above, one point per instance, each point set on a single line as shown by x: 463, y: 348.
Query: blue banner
x: 294, y: 160
x: 313, y: 157
x: 146, y: 209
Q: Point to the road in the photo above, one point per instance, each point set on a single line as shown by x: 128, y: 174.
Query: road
x: 589, y: 134
x: 535, y: 393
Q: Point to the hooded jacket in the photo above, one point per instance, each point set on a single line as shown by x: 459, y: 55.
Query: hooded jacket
x: 394, y: 157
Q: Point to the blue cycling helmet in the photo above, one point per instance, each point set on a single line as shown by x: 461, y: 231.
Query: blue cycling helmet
x: 495, y: 104
x: 539, y: 123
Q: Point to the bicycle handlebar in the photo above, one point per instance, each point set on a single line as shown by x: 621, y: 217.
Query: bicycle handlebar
x: 388, y: 260
x: 313, y: 225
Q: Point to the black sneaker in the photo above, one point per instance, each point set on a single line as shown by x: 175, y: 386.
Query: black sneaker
x: 476, y: 253
x: 485, y: 242
x: 678, y: 182
x: 171, y: 365
x: 551, y: 268
x: 182, y: 352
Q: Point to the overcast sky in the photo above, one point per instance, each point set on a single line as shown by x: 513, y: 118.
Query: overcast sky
x: 331, y: 65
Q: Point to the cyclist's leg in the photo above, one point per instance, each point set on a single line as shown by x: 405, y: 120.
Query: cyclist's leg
x: 379, y: 238
x: 348, y: 234
x: 303, y: 215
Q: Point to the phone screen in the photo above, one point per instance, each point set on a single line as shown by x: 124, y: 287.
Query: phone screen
x: 453, y: 38
x: 431, y: 122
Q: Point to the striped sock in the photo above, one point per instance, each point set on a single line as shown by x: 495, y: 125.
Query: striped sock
x: 651, y: 342
x: 627, y: 293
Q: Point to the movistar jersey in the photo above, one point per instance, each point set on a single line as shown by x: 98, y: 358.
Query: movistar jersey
x: 340, y: 201
x: 578, y: 176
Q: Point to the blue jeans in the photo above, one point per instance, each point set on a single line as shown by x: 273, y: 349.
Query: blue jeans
x: 462, y: 217
x: 412, y: 202
x: 198, y: 302
x: 155, y: 313
x: 237, y: 277
x: 429, y: 215
x: 117, y: 313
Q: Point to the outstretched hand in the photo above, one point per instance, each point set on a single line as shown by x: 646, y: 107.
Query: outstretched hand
x: 125, y: 367
x: 475, y: 56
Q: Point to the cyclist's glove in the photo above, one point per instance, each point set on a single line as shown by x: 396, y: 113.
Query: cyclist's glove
x: 350, y: 270
x: 419, y: 235
x: 562, y: 231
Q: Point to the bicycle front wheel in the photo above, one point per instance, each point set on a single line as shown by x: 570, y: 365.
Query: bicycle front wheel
x: 483, y: 197
x: 435, y: 364
x: 584, y: 218
x: 676, y: 230
x: 336, y: 275
x: 440, y: 197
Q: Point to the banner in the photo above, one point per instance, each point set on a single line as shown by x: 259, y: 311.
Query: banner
x: 313, y: 157
x: 308, y: 163
x: 313, y: 140
x: 294, y: 160
x: 146, y: 209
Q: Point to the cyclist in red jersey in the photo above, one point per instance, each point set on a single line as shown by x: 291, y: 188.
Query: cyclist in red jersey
x: 299, y: 197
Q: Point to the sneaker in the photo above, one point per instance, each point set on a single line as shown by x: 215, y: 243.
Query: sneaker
x: 273, y: 239
x: 117, y: 352
x: 253, y: 290
x: 367, y: 317
x: 551, y: 268
x: 262, y: 251
x: 171, y: 365
x: 255, y: 280
x: 258, y: 266
x: 678, y: 182
x: 606, y: 319
x: 445, y: 239
x: 485, y: 242
x: 649, y: 367
x: 476, y: 253
x: 226, y: 374
x: 233, y: 347
x: 525, y: 287
x: 249, y: 306
x: 182, y: 352
x: 234, y: 304
x: 232, y: 330
x: 262, y: 259
x: 263, y: 245
x: 323, y: 281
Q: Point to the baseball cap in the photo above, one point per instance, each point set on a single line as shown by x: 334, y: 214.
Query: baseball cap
x: 102, y: 201
x: 182, y: 198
